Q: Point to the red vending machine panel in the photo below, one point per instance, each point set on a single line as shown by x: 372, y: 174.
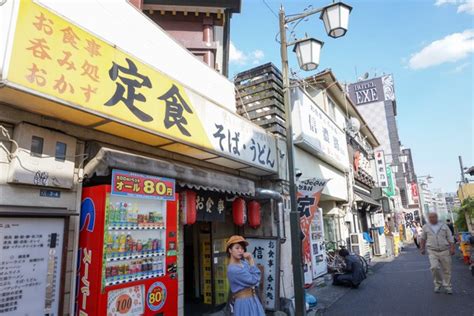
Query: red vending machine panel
x: 128, y: 239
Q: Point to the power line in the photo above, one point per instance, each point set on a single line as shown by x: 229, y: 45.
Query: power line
x: 270, y: 8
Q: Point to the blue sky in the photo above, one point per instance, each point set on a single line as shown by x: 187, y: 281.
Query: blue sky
x: 428, y: 45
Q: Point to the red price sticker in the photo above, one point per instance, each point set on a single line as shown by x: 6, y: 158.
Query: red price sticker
x: 124, y: 304
x: 156, y: 296
x: 126, y: 183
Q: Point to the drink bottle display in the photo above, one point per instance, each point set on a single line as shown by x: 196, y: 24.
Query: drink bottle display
x: 125, y: 251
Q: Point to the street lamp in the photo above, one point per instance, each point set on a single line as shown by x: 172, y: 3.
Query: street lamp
x: 421, y: 194
x: 335, y: 17
x: 427, y: 177
x: 308, y: 52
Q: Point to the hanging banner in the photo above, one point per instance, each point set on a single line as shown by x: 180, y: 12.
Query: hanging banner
x: 210, y: 206
x: 309, y: 193
x: 265, y: 252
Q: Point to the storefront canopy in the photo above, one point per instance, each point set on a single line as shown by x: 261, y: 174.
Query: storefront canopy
x: 363, y: 198
x: 107, y: 159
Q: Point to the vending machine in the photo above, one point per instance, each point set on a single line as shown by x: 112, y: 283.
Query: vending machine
x: 127, y: 256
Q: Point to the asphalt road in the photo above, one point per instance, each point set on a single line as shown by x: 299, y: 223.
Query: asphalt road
x: 404, y: 287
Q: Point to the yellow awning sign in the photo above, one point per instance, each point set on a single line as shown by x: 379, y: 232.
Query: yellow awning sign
x: 63, y: 62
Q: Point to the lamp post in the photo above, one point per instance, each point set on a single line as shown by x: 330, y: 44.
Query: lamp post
x: 420, y: 193
x: 336, y: 18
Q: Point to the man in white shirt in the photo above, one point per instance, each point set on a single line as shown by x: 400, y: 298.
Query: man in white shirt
x: 436, y: 237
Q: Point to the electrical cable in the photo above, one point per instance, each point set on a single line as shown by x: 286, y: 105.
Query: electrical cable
x: 270, y: 8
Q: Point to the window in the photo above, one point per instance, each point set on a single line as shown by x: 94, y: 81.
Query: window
x: 36, y: 146
x: 60, y: 151
x: 331, y: 109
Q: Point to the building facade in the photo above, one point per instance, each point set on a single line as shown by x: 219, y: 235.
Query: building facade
x: 103, y: 134
x: 376, y: 101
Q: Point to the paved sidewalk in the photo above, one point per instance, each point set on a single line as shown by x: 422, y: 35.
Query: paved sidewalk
x: 404, y: 287
x: 327, y: 294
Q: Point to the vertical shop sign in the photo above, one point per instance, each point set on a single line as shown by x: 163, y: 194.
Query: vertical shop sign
x: 266, y: 253
x: 414, y: 192
x: 390, y: 189
x: 381, y: 169
x: 309, y: 193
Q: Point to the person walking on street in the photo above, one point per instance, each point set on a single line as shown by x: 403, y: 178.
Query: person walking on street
x: 451, y: 227
x: 243, y: 277
x: 437, y: 239
x: 416, y: 228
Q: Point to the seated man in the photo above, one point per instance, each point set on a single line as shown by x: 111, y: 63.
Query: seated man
x: 353, y: 271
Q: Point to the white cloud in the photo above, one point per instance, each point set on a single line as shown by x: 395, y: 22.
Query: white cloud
x: 451, y: 48
x: 464, y: 6
x: 467, y: 7
x: 258, y: 54
x: 239, y: 57
x: 235, y: 55
x: 441, y: 2
x: 461, y: 67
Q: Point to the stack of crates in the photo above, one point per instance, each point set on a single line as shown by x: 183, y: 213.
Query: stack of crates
x: 220, y: 268
x: 259, y: 97
x: 206, y: 267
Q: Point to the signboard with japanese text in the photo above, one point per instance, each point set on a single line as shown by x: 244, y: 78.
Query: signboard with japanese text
x: 308, y: 196
x: 266, y: 253
x: 316, y: 132
x: 318, y: 253
x: 30, y: 265
x: 381, y: 168
x: 378, y: 220
x: 414, y: 192
x: 126, y: 183
x: 372, y: 90
x: 127, y: 301
x: 210, y: 206
x: 390, y: 189
x: 62, y: 62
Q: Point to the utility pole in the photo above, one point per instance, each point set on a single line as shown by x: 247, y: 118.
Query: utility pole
x: 463, y: 178
x: 296, y: 250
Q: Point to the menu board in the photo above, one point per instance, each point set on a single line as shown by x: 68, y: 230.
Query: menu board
x: 265, y: 252
x: 30, y: 265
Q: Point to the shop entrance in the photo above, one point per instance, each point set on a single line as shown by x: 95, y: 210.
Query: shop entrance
x: 205, y: 266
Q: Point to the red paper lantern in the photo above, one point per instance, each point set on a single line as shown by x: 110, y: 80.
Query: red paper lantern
x: 188, y: 207
x: 254, y: 214
x: 239, y: 212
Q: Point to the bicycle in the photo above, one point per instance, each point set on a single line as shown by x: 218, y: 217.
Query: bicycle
x: 336, y: 263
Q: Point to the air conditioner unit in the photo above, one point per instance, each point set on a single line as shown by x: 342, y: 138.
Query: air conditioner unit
x: 356, y: 239
x: 379, y: 243
x: 359, y: 245
x: 43, y: 158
